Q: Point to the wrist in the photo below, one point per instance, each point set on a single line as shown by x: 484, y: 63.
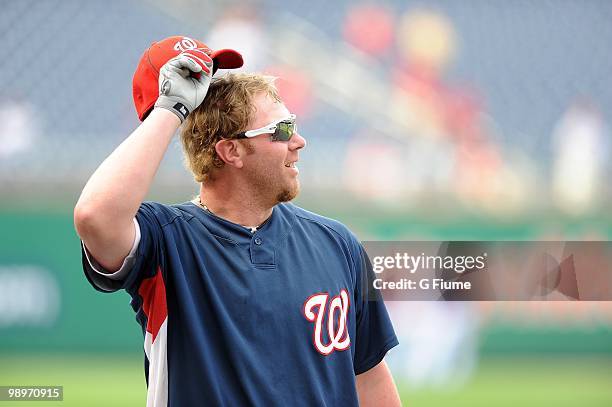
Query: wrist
x: 166, y: 115
x: 174, y: 105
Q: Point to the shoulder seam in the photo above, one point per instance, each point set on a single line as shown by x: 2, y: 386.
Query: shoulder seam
x: 174, y: 217
x: 326, y: 226
x: 175, y: 214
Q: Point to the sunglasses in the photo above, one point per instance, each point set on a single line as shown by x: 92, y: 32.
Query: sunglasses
x: 281, y: 130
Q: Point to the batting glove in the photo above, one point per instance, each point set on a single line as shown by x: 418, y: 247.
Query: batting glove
x: 184, y: 81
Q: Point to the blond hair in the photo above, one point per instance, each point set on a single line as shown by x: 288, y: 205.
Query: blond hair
x: 226, y: 111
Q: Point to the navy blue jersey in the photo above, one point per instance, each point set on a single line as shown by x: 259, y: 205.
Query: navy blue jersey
x: 279, y: 316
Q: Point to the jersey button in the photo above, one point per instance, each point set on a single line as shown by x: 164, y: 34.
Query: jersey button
x: 258, y: 241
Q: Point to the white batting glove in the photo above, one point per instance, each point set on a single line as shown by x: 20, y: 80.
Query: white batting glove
x: 184, y: 81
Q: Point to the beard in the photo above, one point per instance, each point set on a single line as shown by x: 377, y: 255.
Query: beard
x: 288, y: 194
x: 270, y: 183
x: 274, y: 188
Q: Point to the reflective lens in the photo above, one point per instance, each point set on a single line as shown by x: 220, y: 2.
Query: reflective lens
x: 284, y: 130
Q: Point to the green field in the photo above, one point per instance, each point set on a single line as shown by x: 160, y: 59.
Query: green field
x: 105, y: 380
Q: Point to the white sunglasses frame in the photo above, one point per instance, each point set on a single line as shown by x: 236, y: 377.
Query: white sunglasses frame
x: 270, y: 128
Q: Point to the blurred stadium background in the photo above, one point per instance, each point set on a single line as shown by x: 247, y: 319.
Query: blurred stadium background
x: 436, y: 120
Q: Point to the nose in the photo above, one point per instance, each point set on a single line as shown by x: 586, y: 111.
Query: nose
x: 297, y: 142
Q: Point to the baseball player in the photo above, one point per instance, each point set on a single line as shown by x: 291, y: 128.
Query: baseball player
x: 243, y: 297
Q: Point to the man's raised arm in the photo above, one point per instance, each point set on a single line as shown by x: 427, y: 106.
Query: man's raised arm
x: 103, y: 215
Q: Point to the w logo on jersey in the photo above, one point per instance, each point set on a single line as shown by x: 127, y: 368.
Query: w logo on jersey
x: 317, y: 310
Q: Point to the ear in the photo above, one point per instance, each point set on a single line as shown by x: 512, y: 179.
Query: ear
x: 230, y: 151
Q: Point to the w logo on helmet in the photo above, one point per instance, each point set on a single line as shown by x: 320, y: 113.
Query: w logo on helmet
x: 316, y: 310
x: 184, y: 44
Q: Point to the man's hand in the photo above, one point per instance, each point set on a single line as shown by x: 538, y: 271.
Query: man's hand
x: 184, y: 81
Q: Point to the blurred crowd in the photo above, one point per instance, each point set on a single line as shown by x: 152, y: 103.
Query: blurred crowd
x: 422, y: 133
x: 404, y: 105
